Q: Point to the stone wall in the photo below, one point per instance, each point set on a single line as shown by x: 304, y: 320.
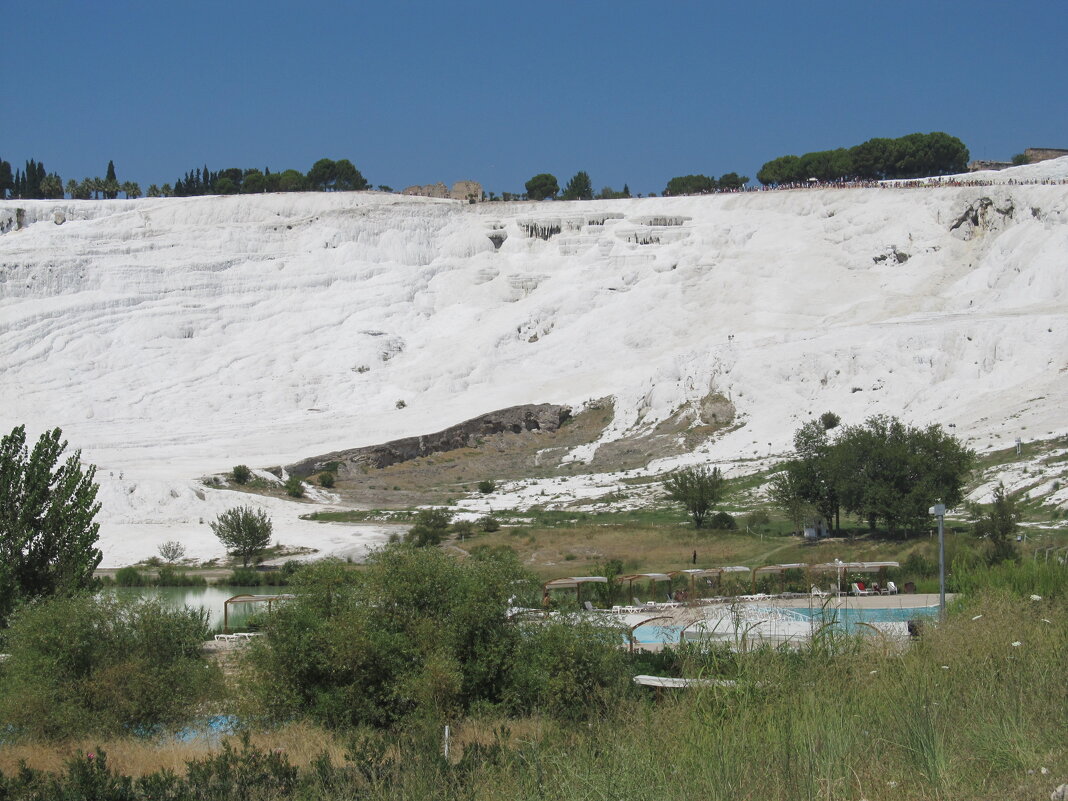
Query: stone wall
x: 1036, y: 154
x: 430, y: 190
x: 466, y: 190
x: 461, y: 190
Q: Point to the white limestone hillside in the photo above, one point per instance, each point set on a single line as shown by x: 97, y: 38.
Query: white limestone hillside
x: 174, y: 338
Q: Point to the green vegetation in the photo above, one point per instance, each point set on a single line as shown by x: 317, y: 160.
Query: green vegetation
x: 294, y: 487
x: 326, y: 479
x: 998, y: 525
x: 241, y: 474
x: 166, y: 576
x: 47, y: 534
x: 431, y: 526
x: 698, y: 489
x: 881, y: 471
x: 704, y: 184
x: 95, y: 665
x: 579, y: 187
x: 419, y: 634
x: 171, y: 551
x: 487, y: 486
x: 971, y: 709
x: 244, y: 530
x: 542, y: 186
x: 913, y: 156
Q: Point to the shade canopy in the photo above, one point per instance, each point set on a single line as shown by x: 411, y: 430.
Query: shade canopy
x: 645, y: 577
x: 779, y: 568
x: 570, y: 582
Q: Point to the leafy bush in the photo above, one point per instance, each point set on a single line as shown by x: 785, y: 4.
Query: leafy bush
x: 168, y: 576
x: 421, y: 633
x: 130, y: 577
x: 722, y: 521
x: 326, y: 479
x: 489, y: 524
x: 430, y: 527
x: 486, y: 486
x: 294, y: 487
x: 171, y: 551
x: 244, y: 530
x: 95, y: 665
x: 241, y: 474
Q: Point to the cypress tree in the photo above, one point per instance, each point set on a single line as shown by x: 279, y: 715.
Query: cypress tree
x: 7, y: 181
x: 111, y: 181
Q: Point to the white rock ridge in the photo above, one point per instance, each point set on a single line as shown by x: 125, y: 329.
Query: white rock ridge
x: 174, y: 338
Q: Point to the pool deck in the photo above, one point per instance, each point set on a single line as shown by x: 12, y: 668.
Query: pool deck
x: 898, y: 601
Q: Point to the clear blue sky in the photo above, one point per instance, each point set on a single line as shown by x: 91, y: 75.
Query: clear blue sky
x: 496, y: 91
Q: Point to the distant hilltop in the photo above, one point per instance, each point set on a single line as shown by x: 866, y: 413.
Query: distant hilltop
x: 471, y: 191
x: 1033, y: 155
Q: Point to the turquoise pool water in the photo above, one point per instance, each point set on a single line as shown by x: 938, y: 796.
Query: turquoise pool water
x: 848, y: 618
x: 845, y: 619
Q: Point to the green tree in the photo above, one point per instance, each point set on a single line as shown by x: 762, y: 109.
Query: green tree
x: 111, y: 190
x: 815, y: 470
x: 690, y: 185
x: 47, y: 534
x: 244, y: 531
x: 542, y: 186
x: 579, y: 187
x: 1018, y: 160
x: 999, y: 525
x: 890, y: 472
x: 784, y: 490
x: 7, y: 180
x: 94, y: 665
x: 347, y: 178
x: 732, y: 181
x: 253, y: 182
x: 698, y: 489
x: 431, y: 526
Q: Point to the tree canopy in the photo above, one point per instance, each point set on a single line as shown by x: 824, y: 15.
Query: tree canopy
x: 698, y: 489
x: 47, y: 534
x: 244, y: 530
x: 541, y: 186
x: 883, y: 471
x: 916, y: 155
x: 579, y: 187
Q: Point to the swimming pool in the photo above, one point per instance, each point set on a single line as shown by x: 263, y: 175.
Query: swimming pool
x: 848, y: 617
x: 789, y: 622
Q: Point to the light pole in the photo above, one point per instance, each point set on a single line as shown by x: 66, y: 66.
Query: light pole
x: 939, y: 511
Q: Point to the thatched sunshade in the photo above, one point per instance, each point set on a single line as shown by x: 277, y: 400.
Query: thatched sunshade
x: 695, y: 573
x: 632, y: 577
x: 572, y: 582
x: 780, y: 570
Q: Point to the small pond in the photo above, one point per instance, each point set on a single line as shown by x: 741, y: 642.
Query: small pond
x: 210, y: 598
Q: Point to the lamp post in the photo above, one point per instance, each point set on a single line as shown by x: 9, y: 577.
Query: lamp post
x: 939, y: 511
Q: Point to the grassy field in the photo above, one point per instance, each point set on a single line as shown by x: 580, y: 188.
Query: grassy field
x: 976, y: 709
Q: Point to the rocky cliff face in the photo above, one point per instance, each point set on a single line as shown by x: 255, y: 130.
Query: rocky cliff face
x: 518, y: 419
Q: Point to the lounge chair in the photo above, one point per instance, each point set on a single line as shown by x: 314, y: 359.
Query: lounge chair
x: 588, y: 606
x: 859, y: 590
x: 891, y: 588
x: 818, y: 593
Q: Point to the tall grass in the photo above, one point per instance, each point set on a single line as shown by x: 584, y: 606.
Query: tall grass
x: 973, y: 709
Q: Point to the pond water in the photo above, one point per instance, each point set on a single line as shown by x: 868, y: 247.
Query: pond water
x: 210, y: 598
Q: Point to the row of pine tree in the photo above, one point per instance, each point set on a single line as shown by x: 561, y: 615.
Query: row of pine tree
x: 324, y: 176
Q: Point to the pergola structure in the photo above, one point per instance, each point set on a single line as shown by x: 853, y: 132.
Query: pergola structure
x: 571, y: 582
x: 250, y: 599
x: 707, y: 573
x: 779, y: 570
x: 840, y: 568
x: 632, y: 577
